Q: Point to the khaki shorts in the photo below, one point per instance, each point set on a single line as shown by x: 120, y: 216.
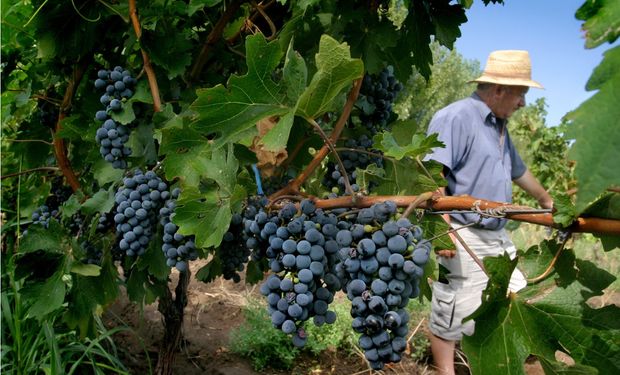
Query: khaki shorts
x: 463, y: 295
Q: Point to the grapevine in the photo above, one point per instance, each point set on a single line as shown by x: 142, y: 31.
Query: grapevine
x: 341, y: 212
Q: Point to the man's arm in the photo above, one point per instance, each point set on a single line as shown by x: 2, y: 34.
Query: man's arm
x: 530, y: 184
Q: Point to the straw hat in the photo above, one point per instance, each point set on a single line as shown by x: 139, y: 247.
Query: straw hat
x: 508, y: 67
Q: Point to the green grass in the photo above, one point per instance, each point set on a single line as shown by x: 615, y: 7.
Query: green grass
x: 30, y: 346
x: 268, y: 347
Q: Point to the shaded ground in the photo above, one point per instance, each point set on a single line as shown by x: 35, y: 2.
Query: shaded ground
x: 213, y: 311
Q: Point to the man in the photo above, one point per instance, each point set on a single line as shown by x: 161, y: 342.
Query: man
x: 481, y: 161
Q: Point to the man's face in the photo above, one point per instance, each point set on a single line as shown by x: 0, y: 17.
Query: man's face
x: 508, y: 99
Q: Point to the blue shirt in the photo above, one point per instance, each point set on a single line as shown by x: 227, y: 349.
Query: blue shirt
x: 479, y: 155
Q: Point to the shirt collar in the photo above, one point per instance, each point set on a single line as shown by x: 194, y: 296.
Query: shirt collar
x: 486, y: 114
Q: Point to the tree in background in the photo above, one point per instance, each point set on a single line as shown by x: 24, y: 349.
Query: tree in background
x: 447, y: 84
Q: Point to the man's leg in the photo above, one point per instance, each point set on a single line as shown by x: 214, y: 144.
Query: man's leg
x: 443, y: 355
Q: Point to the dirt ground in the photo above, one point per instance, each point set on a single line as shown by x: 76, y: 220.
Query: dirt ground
x: 213, y: 310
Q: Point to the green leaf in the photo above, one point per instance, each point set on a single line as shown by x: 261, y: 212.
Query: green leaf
x: 125, y: 116
x: 39, y: 238
x: 154, y: 261
x: 85, y: 269
x: 46, y: 296
x: 565, y: 213
x: 102, y: 201
x: 602, y: 21
x: 294, y: 74
x: 71, y: 206
x: 277, y: 137
x: 419, y: 145
x: 142, y: 144
x: 447, y: 18
x: 594, y: 123
x: 335, y: 71
x: 104, y: 172
x: 186, y: 152
x: 196, y: 5
x: 210, y: 271
x: 230, y: 112
x: 607, y: 69
x: 542, y: 319
x: 205, y: 214
x: 253, y: 272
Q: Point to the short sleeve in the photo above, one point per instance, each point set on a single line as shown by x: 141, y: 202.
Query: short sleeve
x: 452, y: 133
x: 518, y: 167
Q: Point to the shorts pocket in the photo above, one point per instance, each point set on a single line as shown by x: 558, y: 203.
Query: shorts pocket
x: 442, y: 305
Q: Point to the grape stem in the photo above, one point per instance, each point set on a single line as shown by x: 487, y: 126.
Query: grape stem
x: 293, y: 186
x: 28, y: 171
x: 212, y: 38
x: 551, y: 265
x: 328, y: 142
x: 31, y: 140
x: 463, y: 202
x: 272, y: 26
x: 252, y: 18
x: 148, y: 68
x: 60, y: 150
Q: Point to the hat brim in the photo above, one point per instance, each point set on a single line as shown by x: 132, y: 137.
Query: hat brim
x: 507, y: 81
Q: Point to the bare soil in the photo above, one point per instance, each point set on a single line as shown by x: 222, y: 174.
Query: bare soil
x: 212, y: 312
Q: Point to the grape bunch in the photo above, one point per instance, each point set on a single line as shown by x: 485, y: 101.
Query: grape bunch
x: 254, y: 219
x: 360, y: 156
x: 51, y: 208
x: 76, y: 222
x: 48, y: 114
x: 112, y: 136
x: 233, y: 252
x: 302, y: 250
x: 92, y: 253
x: 42, y: 216
x: 177, y: 248
x: 138, y: 202
x: 381, y: 264
x: 377, y: 95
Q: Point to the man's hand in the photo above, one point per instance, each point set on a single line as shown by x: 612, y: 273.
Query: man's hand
x: 446, y: 253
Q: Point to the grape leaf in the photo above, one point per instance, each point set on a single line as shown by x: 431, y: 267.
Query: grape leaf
x: 446, y: 19
x: 155, y: 262
x: 542, y: 318
x: 594, y: 124
x: 277, y: 137
x: 88, y: 294
x: 210, y: 271
x: 39, y: 238
x: 606, y: 70
x: 335, y: 71
x: 229, y: 112
x: 85, y: 269
x: 46, y: 296
x: 185, y: 150
x: 207, y: 213
x: 420, y: 145
x: 102, y: 201
x: 565, y: 213
x: 253, y: 272
x: 602, y: 21
x: 125, y: 116
x: 104, y: 172
x: 196, y: 5
x: 294, y: 73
